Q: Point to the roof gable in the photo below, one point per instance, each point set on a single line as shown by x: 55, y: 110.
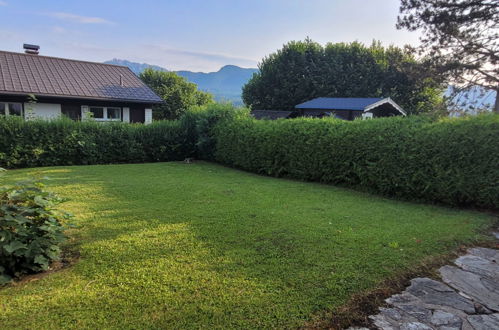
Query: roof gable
x: 338, y: 103
x: 50, y: 76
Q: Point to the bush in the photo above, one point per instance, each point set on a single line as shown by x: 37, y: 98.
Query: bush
x: 203, y: 121
x: 30, y: 229
x: 452, y: 161
x: 65, y: 142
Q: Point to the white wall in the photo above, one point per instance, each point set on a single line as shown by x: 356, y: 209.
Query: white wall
x: 42, y: 111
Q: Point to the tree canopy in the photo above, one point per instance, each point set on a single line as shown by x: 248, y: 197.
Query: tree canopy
x: 460, y: 36
x: 178, y: 94
x: 303, y: 70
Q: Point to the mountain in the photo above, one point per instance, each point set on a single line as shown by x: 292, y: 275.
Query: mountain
x: 137, y: 68
x: 472, y: 99
x: 225, y: 84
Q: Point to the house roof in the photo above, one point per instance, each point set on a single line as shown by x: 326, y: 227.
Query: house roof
x: 338, y: 103
x: 270, y: 114
x: 58, y: 77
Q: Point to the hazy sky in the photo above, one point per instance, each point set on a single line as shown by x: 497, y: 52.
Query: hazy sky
x: 197, y: 35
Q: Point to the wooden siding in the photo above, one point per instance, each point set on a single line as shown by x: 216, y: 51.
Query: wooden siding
x: 344, y: 114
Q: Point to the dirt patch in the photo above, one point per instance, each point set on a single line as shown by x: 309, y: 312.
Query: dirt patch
x: 357, y: 310
x: 68, y: 258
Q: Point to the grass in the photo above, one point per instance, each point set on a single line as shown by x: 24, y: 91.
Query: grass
x: 174, y: 245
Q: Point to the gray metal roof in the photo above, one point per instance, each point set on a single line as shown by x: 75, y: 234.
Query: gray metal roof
x: 57, y: 77
x: 338, y: 103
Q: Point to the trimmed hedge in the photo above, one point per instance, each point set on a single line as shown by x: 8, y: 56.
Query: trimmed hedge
x: 452, y: 161
x: 65, y: 142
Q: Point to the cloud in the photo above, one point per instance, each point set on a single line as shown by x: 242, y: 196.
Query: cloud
x: 3, y: 3
x: 79, y: 19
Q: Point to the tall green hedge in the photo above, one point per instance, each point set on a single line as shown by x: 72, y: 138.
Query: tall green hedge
x: 64, y: 142
x: 452, y: 161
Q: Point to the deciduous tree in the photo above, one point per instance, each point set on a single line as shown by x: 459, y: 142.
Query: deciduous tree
x: 303, y: 70
x: 178, y: 94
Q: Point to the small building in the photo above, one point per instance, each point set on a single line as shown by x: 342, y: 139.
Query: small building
x: 272, y: 114
x: 72, y: 88
x: 349, y: 108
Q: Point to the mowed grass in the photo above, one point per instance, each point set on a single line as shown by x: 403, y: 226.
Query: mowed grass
x: 174, y: 245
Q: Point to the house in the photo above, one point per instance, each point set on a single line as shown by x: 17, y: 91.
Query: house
x: 271, y: 114
x: 350, y: 108
x: 72, y: 88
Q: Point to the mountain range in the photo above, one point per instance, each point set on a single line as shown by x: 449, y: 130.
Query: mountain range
x: 225, y: 84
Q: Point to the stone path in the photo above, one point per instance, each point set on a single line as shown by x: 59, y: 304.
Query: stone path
x: 467, y: 298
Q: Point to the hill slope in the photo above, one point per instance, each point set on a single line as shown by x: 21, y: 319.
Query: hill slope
x: 225, y: 84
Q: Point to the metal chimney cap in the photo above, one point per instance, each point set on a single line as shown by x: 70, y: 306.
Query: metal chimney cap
x: 31, y: 49
x: 30, y: 46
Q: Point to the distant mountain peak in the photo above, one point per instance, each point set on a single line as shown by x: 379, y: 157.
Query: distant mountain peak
x: 137, y: 68
x: 225, y: 84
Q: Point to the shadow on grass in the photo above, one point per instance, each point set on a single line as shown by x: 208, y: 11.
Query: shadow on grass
x: 230, y: 248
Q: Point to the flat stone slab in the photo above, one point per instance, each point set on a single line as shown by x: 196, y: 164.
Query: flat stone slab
x: 436, y: 293
x: 489, y: 254
x: 481, y: 289
x: 484, y: 322
x: 479, y: 266
x: 467, y: 299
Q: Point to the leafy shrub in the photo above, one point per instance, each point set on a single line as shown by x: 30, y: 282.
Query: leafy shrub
x: 451, y: 161
x: 65, y: 142
x: 203, y: 121
x: 30, y: 229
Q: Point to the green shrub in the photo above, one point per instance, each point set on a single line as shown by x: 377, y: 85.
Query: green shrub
x: 65, y: 142
x: 30, y: 229
x: 452, y: 161
x: 203, y: 121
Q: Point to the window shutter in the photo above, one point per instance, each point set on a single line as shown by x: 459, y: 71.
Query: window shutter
x: 84, y: 112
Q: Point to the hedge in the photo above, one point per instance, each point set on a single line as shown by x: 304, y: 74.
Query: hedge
x: 451, y: 161
x: 65, y: 142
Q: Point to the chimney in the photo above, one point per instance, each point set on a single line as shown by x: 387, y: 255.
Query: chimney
x: 31, y: 49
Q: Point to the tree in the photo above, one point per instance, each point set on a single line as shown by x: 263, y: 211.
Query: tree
x: 303, y: 70
x: 178, y: 94
x: 460, y: 36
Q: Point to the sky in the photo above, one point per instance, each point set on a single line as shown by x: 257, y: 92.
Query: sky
x: 195, y: 35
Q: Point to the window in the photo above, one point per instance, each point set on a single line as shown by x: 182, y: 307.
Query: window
x: 367, y: 115
x: 97, y: 113
x: 113, y: 113
x: 15, y: 109
x: 105, y: 113
x: 12, y: 109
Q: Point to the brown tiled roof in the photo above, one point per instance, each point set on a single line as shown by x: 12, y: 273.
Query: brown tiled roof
x: 58, y: 77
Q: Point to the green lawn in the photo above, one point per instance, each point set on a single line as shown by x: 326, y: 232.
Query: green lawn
x: 174, y: 245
